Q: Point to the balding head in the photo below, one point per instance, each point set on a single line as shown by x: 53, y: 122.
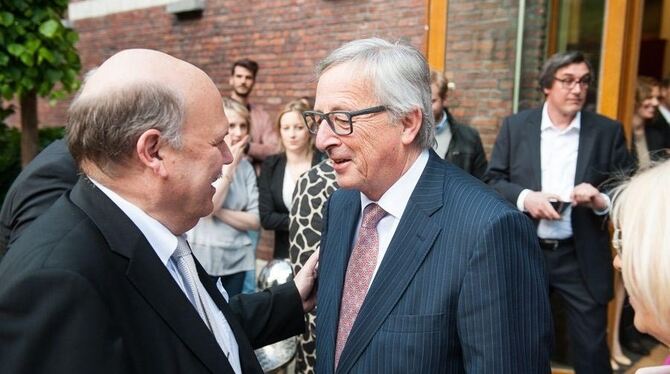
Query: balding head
x: 131, y: 92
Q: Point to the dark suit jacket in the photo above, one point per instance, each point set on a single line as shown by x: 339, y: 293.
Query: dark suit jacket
x: 465, y: 148
x: 657, y: 134
x: 273, y: 212
x: 602, y: 155
x: 39, y: 185
x: 461, y: 287
x: 82, y: 291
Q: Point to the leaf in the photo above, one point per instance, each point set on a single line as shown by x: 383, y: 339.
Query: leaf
x: 53, y: 75
x: 27, y: 59
x: 72, y: 37
x: 49, y: 28
x: 16, y: 49
x: 6, y: 19
x: 4, y: 59
x: 32, y: 44
x: 46, y: 54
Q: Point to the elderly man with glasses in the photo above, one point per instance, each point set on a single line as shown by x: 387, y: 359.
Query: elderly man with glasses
x: 550, y: 162
x: 423, y: 269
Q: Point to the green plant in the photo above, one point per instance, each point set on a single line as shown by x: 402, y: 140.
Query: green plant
x: 37, y: 58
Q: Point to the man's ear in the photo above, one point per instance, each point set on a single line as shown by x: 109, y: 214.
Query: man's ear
x: 230, y: 80
x: 148, y: 150
x: 411, y: 125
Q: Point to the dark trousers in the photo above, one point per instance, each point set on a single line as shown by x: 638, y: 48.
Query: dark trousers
x: 586, y: 319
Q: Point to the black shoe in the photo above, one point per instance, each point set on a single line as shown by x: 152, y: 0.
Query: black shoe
x: 634, y: 346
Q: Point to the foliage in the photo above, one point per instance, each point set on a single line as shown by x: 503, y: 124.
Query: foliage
x: 37, y: 52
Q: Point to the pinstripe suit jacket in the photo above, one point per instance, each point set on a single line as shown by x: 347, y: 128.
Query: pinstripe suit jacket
x: 461, y: 288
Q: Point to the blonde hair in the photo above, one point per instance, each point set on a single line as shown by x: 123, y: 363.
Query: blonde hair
x: 299, y: 106
x: 641, y: 210
x: 230, y: 105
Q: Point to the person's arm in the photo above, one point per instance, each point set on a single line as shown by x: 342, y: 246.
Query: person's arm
x: 271, y: 218
x: 265, y: 141
x: 54, y: 321
x: 498, y: 173
x: 278, y: 312
x: 479, y: 163
x: 504, y: 316
x: 248, y: 217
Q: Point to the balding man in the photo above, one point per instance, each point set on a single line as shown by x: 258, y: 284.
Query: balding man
x: 104, y: 281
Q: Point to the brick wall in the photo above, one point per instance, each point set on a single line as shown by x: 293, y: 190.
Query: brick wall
x: 286, y: 37
x: 481, y: 51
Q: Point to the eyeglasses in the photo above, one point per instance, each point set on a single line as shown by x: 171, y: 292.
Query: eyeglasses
x: 570, y: 83
x: 617, y: 243
x: 340, y: 122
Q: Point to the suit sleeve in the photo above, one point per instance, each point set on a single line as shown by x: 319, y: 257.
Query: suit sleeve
x: 271, y: 219
x: 271, y: 315
x: 479, y: 162
x: 54, y: 321
x: 504, y: 317
x: 498, y: 173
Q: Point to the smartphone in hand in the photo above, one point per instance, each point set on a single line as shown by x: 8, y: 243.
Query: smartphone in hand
x: 558, y: 205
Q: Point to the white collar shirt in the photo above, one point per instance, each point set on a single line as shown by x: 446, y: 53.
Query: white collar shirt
x: 558, y: 155
x: 443, y: 135
x: 164, y: 243
x: 393, y: 201
x: 665, y: 112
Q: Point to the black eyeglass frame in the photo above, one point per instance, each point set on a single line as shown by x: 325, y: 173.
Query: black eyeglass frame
x: 570, y: 83
x: 318, y: 117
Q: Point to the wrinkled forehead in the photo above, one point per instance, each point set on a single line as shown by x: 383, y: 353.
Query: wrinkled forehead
x: 345, y: 87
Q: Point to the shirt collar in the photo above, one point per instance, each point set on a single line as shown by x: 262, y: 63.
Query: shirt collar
x: 395, y: 199
x: 444, y: 123
x: 665, y: 112
x: 162, y: 240
x: 546, y: 123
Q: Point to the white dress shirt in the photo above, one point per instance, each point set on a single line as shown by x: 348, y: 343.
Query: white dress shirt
x: 442, y: 136
x: 558, y: 159
x: 665, y: 112
x: 393, y: 201
x: 164, y: 243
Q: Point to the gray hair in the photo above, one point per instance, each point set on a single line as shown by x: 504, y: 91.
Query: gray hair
x: 104, y: 129
x: 399, y: 75
x: 558, y: 61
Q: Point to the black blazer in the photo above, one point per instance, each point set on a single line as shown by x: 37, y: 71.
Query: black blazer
x: 39, y: 185
x: 602, y: 155
x: 273, y: 212
x: 82, y: 291
x: 465, y: 148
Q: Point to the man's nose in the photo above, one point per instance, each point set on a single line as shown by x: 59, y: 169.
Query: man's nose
x: 325, y: 137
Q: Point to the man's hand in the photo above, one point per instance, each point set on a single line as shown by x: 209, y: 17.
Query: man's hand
x: 538, y: 206
x: 586, y: 195
x: 305, y: 282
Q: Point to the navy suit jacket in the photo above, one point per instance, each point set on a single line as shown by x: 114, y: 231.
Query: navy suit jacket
x: 602, y: 156
x: 82, y: 291
x: 461, y: 287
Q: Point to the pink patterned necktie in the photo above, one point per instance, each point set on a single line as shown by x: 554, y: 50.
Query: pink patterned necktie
x: 362, y: 263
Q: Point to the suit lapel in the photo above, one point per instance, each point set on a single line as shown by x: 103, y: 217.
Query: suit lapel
x: 587, y: 140
x: 341, y: 228
x: 411, y: 242
x: 533, y: 134
x: 248, y: 360
x: 149, y: 276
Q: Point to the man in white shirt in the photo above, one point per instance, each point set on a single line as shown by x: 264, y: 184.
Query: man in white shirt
x: 427, y: 269
x: 264, y: 140
x: 551, y: 163
x: 104, y: 281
